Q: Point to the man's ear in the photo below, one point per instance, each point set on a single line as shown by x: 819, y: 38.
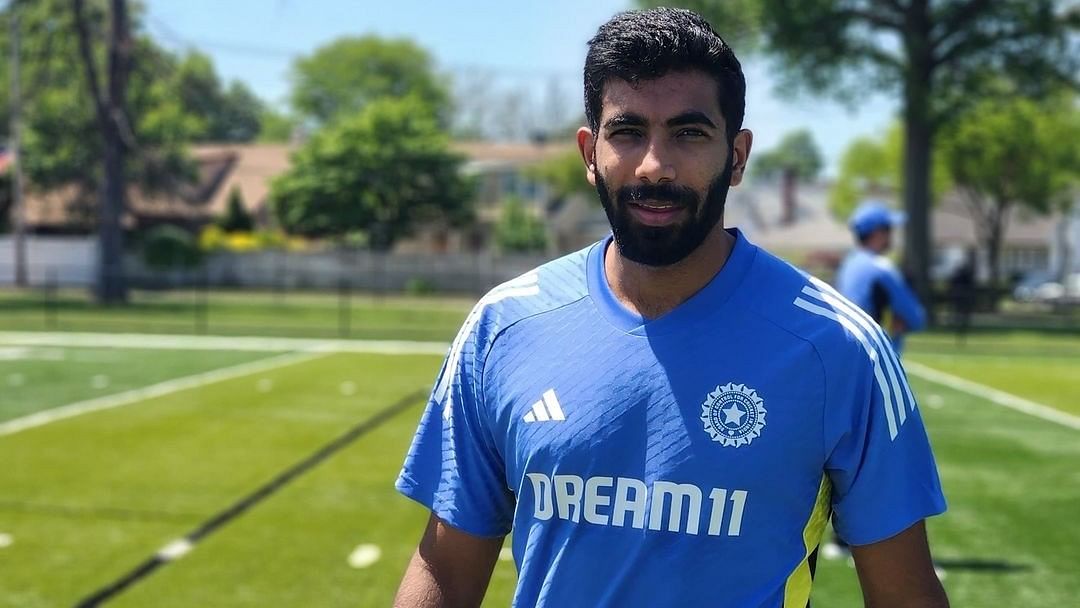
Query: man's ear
x: 740, y: 153
x: 586, y: 143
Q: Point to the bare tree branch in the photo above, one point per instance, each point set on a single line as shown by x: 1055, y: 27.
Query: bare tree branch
x: 954, y: 23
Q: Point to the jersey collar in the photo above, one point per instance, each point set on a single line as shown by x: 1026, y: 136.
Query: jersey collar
x: 700, y: 305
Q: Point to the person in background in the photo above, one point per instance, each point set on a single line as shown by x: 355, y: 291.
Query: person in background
x: 963, y: 295
x: 872, y: 281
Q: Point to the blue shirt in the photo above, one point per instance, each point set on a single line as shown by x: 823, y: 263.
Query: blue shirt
x: 873, y: 283
x: 689, y: 460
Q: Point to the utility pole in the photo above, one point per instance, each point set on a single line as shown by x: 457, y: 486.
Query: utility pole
x: 18, y: 210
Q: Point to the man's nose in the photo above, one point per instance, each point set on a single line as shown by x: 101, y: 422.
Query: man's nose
x: 655, y: 165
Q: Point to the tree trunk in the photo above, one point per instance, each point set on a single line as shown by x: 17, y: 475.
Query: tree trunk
x: 788, y: 196
x: 111, y: 109
x: 918, y: 142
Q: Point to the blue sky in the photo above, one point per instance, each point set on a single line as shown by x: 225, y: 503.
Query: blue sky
x: 519, y: 43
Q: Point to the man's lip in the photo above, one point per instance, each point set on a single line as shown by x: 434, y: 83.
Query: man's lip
x: 656, y: 205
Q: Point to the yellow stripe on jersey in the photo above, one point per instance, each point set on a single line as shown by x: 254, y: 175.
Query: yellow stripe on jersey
x: 797, y: 589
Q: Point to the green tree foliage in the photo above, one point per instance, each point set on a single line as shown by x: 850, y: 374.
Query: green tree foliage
x: 937, y: 56
x: 796, y: 158
x: 275, y: 127
x: 564, y: 174
x: 1008, y: 152
x: 874, y: 167
x: 797, y: 155
x: 382, y: 171
x: 225, y: 114
x: 61, y: 140
x: 517, y: 230
x: 236, y: 218
x: 343, y: 77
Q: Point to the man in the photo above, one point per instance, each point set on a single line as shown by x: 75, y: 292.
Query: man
x: 668, y: 417
x: 869, y: 279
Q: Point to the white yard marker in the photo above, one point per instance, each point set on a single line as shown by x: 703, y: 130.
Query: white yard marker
x: 364, y: 556
x: 935, y: 401
x: 16, y: 379
x: 264, y: 385
x: 6, y: 540
x: 175, y: 550
x: 100, y: 382
x: 993, y: 395
x: 155, y: 390
x: 13, y: 353
x: 506, y: 555
x: 348, y: 388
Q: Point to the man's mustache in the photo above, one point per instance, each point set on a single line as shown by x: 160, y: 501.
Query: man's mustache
x: 670, y: 193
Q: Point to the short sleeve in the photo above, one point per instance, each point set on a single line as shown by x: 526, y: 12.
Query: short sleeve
x: 878, y: 456
x: 453, y: 467
x: 902, y: 299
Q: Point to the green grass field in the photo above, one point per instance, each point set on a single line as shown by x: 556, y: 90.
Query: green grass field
x: 86, y: 499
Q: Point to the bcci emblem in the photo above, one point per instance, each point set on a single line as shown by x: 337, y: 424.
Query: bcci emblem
x: 733, y: 414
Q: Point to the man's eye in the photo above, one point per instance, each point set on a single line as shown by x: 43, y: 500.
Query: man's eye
x: 625, y: 133
x: 691, y: 133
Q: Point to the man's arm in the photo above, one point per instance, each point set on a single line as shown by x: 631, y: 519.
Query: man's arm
x: 903, y: 301
x: 898, y: 572
x: 450, y: 569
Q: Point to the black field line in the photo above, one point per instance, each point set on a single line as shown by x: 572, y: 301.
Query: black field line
x: 181, y: 546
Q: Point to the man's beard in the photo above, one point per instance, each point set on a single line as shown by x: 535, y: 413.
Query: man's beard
x: 664, y: 245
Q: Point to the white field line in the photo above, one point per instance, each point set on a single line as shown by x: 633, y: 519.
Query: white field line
x: 994, y: 395
x: 155, y: 390
x: 243, y: 343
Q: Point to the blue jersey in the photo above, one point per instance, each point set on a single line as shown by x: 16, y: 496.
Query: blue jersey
x: 689, y: 460
x: 873, y: 283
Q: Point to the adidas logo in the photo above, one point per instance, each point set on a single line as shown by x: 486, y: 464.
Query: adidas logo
x: 546, y: 409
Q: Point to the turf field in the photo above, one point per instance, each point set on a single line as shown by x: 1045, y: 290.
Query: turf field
x: 276, y: 460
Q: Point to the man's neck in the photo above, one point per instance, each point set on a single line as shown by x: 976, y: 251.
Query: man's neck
x: 652, y: 291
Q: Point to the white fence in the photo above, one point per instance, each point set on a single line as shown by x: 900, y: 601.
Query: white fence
x: 70, y: 262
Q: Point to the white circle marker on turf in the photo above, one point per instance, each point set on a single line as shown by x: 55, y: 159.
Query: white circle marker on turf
x: 364, y: 556
x: 506, y: 555
x: 100, y: 381
x: 16, y: 379
x: 6, y: 540
x: 264, y: 385
x: 935, y: 401
x: 348, y: 388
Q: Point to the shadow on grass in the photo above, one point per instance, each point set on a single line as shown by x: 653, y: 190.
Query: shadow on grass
x: 974, y: 564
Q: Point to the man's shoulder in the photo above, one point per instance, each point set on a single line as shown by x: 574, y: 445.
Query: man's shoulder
x: 810, y: 309
x: 546, y: 288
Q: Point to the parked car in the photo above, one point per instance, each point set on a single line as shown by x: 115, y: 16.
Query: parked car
x: 1045, y: 287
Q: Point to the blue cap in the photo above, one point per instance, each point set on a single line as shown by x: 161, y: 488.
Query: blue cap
x: 872, y: 215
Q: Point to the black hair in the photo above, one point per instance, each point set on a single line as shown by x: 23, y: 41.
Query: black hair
x: 648, y: 44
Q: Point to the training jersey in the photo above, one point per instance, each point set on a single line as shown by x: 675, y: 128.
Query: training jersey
x: 873, y: 283
x: 688, y: 460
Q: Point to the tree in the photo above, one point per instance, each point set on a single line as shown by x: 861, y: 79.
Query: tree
x: 343, y: 77
x: 237, y: 218
x: 1008, y: 152
x: 873, y: 167
x: 63, y: 142
x: 564, y: 174
x: 938, y: 55
x: 381, y: 171
x: 518, y: 230
x: 114, y: 125
x: 225, y: 114
x: 275, y: 127
x: 796, y: 158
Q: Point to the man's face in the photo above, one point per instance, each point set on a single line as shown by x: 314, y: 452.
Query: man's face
x: 661, y: 164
